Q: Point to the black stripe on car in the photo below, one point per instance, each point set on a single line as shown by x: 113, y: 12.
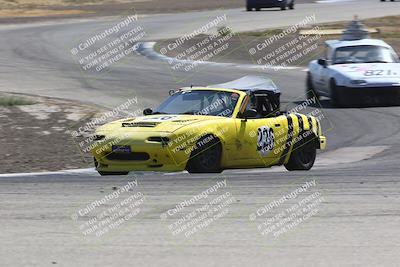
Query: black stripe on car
x: 301, y: 123
x: 310, y: 123
x: 288, y: 140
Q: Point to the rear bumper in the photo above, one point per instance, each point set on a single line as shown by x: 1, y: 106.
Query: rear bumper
x: 322, y: 142
x: 370, y: 96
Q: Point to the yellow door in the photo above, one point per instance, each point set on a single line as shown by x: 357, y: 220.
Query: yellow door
x: 258, y: 141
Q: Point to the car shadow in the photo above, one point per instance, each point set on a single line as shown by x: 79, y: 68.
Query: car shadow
x: 265, y: 10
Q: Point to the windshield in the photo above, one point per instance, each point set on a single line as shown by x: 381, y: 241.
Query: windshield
x: 363, y: 54
x: 200, y: 102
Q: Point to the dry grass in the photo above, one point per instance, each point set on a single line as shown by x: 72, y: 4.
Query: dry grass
x: 9, y: 101
x: 42, y: 8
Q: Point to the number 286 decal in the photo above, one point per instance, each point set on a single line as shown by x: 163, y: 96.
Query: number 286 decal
x: 265, y: 140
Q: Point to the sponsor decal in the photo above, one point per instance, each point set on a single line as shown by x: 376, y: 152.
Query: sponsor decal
x: 159, y: 119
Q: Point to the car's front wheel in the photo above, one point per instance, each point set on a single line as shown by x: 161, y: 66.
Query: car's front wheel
x: 335, y: 98
x: 310, y: 90
x: 206, y: 156
x: 303, y: 155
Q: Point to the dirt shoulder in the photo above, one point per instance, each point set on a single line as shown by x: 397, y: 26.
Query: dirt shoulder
x: 13, y: 11
x: 233, y: 47
x: 36, y: 134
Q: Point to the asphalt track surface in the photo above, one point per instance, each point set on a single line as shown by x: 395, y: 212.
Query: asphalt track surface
x: 358, y: 176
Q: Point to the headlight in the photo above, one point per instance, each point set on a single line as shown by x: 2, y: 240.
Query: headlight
x: 359, y: 82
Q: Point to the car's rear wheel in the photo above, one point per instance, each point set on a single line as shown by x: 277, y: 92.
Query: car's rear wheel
x: 206, y: 157
x: 303, y: 155
x: 291, y: 5
x: 249, y: 8
x: 284, y: 6
x: 310, y: 90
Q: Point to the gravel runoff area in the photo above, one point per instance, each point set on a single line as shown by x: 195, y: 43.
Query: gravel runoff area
x: 36, y: 133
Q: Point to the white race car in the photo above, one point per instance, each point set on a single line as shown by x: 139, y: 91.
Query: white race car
x: 356, y: 71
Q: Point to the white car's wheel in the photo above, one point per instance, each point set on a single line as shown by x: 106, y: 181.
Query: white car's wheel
x: 310, y: 90
x: 335, y: 97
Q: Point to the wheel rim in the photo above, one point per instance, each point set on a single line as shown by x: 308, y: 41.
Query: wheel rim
x: 208, y: 158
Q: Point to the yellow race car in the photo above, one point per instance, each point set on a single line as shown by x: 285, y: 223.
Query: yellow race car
x: 209, y: 129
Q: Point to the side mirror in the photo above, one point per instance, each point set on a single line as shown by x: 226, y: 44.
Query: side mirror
x: 250, y: 114
x: 147, y: 111
x: 322, y: 62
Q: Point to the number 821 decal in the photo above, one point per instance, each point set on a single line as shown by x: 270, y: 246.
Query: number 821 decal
x: 379, y: 73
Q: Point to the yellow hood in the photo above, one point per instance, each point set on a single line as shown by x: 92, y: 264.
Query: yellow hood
x: 156, y: 123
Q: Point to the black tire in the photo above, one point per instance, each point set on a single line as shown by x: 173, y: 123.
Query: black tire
x: 291, y: 5
x: 283, y: 7
x: 335, y: 98
x: 303, y: 155
x: 310, y: 91
x: 112, y: 173
x: 258, y: 9
x: 248, y: 8
x: 206, y: 157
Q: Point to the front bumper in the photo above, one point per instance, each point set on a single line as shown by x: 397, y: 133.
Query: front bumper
x: 143, y: 156
x: 370, y: 96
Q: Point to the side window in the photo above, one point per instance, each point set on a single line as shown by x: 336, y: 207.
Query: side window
x: 261, y: 104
